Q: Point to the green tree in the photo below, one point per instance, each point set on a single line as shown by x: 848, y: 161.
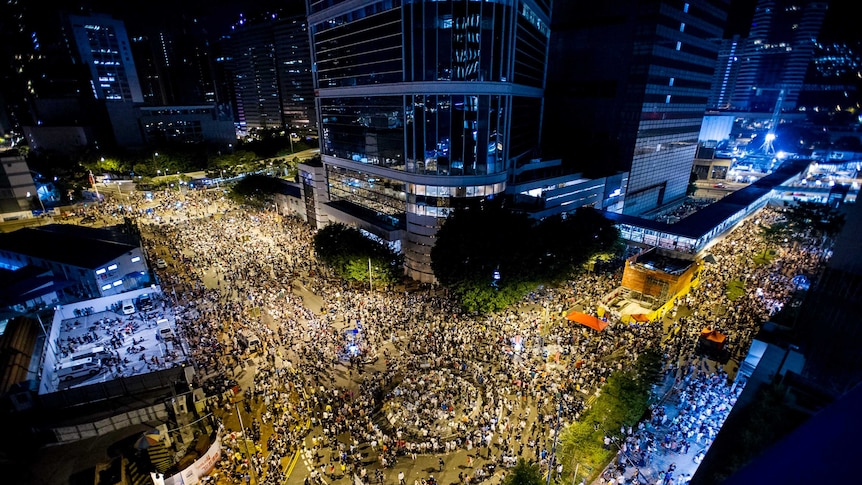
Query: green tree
x: 775, y: 234
x: 351, y: 255
x: 524, y: 473
x: 255, y: 190
x: 692, y: 184
x: 490, y: 256
x: 623, y: 400
x: 815, y: 219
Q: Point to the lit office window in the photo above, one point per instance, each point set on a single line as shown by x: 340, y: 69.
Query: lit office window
x: 106, y: 287
x: 112, y: 267
x: 667, y: 99
x: 685, y: 7
x: 682, y: 27
x: 100, y: 271
x: 678, y: 45
x: 136, y: 259
x: 118, y: 282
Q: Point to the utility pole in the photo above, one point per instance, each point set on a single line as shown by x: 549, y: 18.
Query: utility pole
x: 553, y: 457
x: 245, y: 439
x: 370, y: 286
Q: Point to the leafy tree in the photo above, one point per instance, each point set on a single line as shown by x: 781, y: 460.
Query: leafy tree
x: 490, y: 256
x: 524, y: 473
x: 776, y: 233
x: 813, y: 218
x: 255, y: 190
x: 623, y: 400
x: 692, y: 184
x: 348, y: 252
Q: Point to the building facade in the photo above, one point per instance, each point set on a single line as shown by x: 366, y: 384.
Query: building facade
x: 423, y: 104
x: 17, y: 190
x: 629, y: 81
x: 777, y: 54
x: 86, y: 265
x: 101, y: 43
x: 268, y: 63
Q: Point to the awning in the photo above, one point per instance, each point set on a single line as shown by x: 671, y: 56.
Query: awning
x: 587, y: 320
x: 640, y: 317
x: 713, y: 335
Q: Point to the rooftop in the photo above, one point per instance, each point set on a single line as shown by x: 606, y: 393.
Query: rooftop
x: 66, y: 244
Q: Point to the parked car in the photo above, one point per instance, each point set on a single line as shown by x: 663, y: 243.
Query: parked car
x: 161, y: 264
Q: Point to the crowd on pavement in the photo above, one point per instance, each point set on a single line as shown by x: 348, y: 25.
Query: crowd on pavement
x: 371, y: 379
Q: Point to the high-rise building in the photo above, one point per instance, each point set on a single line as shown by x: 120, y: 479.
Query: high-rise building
x: 102, y: 45
x: 777, y: 53
x: 269, y: 66
x: 726, y: 72
x: 422, y: 105
x: 627, y: 90
x: 174, y: 64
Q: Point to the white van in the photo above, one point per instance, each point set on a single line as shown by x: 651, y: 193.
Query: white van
x: 79, y: 368
x: 97, y: 353
x: 164, y: 329
x: 128, y: 307
x: 249, y: 339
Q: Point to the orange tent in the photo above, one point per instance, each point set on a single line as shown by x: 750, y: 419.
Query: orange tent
x: 587, y: 320
x: 713, y: 337
x: 640, y: 317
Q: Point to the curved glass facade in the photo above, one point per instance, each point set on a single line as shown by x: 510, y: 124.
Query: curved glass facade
x: 457, y: 41
x: 443, y: 134
x: 360, y: 47
x: 442, y: 98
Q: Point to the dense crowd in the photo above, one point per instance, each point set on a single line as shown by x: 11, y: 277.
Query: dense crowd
x: 494, y: 385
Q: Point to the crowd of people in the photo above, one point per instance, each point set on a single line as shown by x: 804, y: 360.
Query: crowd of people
x: 399, y: 374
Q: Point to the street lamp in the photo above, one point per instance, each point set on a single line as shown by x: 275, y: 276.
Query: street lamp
x: 155, y: 154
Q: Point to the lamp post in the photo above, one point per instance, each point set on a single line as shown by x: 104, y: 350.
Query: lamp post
x: 155, y: 154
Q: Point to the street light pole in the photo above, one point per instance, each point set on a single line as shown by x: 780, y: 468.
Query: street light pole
x: 245, y: 438
x: 370, y: 286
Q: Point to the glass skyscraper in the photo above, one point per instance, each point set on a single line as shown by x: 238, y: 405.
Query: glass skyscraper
x: 629, y: 82
x: 423, y: 104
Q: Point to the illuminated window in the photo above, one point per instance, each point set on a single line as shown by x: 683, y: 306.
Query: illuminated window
x: 106, y: 287
x: 100, y: 271
x: 118, y: 282
x: 112, y: 267
x: 136, y: 259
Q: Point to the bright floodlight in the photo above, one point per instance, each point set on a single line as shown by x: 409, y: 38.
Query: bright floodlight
x: 770, y: 136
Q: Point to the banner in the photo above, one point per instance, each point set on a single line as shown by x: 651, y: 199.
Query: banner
x: 200, y: 468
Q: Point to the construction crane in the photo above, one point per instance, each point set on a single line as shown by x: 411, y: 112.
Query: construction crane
x: 767, y: 147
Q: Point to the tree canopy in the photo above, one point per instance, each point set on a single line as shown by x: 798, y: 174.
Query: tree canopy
x: 348, y: 252
x: 623, y: 400
x: 255, y: 190
x: 524, y: 473
x: 491, y: 256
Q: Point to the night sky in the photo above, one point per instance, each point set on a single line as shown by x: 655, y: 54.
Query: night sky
x: 216, y: 16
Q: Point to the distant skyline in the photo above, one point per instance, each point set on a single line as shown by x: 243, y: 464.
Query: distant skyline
x: 216, y: 16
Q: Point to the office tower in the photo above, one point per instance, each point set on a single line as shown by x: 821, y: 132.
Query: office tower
x: 726, y: 72
x: 422, y: 105
x: 628, y: 86
x: 174, y: 64
x: 102, y: 45
x: 269, y: 66
x: 777, y: 53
